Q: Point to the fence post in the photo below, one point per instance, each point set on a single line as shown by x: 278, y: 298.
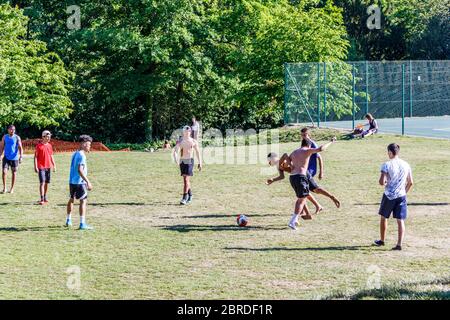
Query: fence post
x: 410, y: 90
x: 318, y: 94
x: 324, y: 92
x: 367, y: 88
x: 403, y: 99
x: 353, y: 96
x: 285, y: 93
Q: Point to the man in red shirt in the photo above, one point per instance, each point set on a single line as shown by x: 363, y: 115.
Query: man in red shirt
x: 43, y: 163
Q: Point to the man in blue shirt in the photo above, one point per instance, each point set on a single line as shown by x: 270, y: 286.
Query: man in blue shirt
x: 12, y: 146
x: 79, y: 183
x: 312, y: 170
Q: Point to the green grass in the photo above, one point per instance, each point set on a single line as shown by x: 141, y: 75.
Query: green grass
x: 146, y: 246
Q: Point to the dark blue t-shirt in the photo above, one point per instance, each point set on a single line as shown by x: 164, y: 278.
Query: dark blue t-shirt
x: 312, y: 167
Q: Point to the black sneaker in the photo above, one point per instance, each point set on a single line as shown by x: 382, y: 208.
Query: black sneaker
x: 378, y: 243
x: 397, y: 248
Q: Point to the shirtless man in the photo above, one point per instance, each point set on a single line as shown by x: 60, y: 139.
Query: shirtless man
x: 283, y: 164
x: 299, y: 180
x: 186, y: 162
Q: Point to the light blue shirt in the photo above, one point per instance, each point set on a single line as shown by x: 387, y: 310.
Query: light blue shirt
x: 78, y: 158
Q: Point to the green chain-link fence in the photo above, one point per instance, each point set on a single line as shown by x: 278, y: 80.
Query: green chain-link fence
x: 321, y: 92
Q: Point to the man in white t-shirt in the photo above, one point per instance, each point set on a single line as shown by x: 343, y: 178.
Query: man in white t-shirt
x: 397, y: 178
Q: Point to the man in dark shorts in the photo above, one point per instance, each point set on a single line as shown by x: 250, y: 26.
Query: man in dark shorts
x: 43, y: 163
x: 298, y: 178
x: 312, y: 171
x: 186, y: 162
x: 11, y: 145
x: 79, y: 183
x: 283, y: 164
x: 397, y: 178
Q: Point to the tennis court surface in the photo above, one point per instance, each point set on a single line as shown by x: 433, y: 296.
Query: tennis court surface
x: 433, y: 127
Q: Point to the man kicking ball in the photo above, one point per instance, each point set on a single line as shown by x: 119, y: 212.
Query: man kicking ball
x: 312, y: 170
x: 283, y: 164
x: 186, y: 162
x: 12, y: 146
x: 397, y: 178
x: 43, y: 164
x: 79, y: 183
x: 299, y: 179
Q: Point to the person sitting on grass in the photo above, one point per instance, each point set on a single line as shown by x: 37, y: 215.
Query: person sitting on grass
x: 167, y: 145
x: 43, y: 163
x: 79, y: 182
x: 373, y: 126
x: 396, y: 177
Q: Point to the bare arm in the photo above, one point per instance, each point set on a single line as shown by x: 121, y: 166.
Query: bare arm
x: 409, y: 182
x: 20, y: 149
x: 80, y: 171
x: 272, y: 180
x: 175, y: 153
x: 2, y: 147
x: 319, y: 158
x: 35, y: 162
x: 197, y: 152
x: 383, y: 179
x: 322, y: 147
x: 53, y: 163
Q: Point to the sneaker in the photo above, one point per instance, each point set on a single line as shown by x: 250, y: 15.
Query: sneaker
x: 45, y: 201
x: 85, y: 226
x: 292, y: 226
x: 397, y: 248
x: 378, y: 243
x: 68, y: 223
x: 189, y: 200
x: 41, y: 202
x: 183, y: 201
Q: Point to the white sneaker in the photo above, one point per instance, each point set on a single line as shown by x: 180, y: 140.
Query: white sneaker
x: 292, y: 226
x: 183, y: 201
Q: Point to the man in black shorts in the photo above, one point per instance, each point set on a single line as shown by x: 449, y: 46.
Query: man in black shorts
x: 299, y: 180
x: 186, y: 162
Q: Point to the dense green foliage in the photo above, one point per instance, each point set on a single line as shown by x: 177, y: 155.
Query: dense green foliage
x: 34, y: 85
x: 144, y: 67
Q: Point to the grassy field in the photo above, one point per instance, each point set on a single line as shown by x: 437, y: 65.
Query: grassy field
x: 146, y: 246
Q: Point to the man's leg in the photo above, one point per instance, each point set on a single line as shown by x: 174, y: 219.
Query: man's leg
x: 69, y: 212
x: 186, y: 187
x: 401, y: 231
x: 383, y: 228
x: 45, y: 191
x: 83, y: 209
x: 13, y: 180
x: 315, y: 203
x: 299, y: 206
x: 4, y: 173
x: 41, y: 190
x: 329, y: 195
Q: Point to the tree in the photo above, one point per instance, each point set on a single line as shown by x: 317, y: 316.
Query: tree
x: 34, y: 85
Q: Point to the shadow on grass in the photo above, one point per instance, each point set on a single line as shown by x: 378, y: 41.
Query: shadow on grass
x: 399, y: 292
x: 20, y: 229
x: 111, y: 204
x: 212, y: 216
x: 20, y: 204
x: 190, y: 227
x: 409, y: 204
x: 338, y: 248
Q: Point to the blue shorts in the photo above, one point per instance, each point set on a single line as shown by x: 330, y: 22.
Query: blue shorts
x: 397, y: 206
